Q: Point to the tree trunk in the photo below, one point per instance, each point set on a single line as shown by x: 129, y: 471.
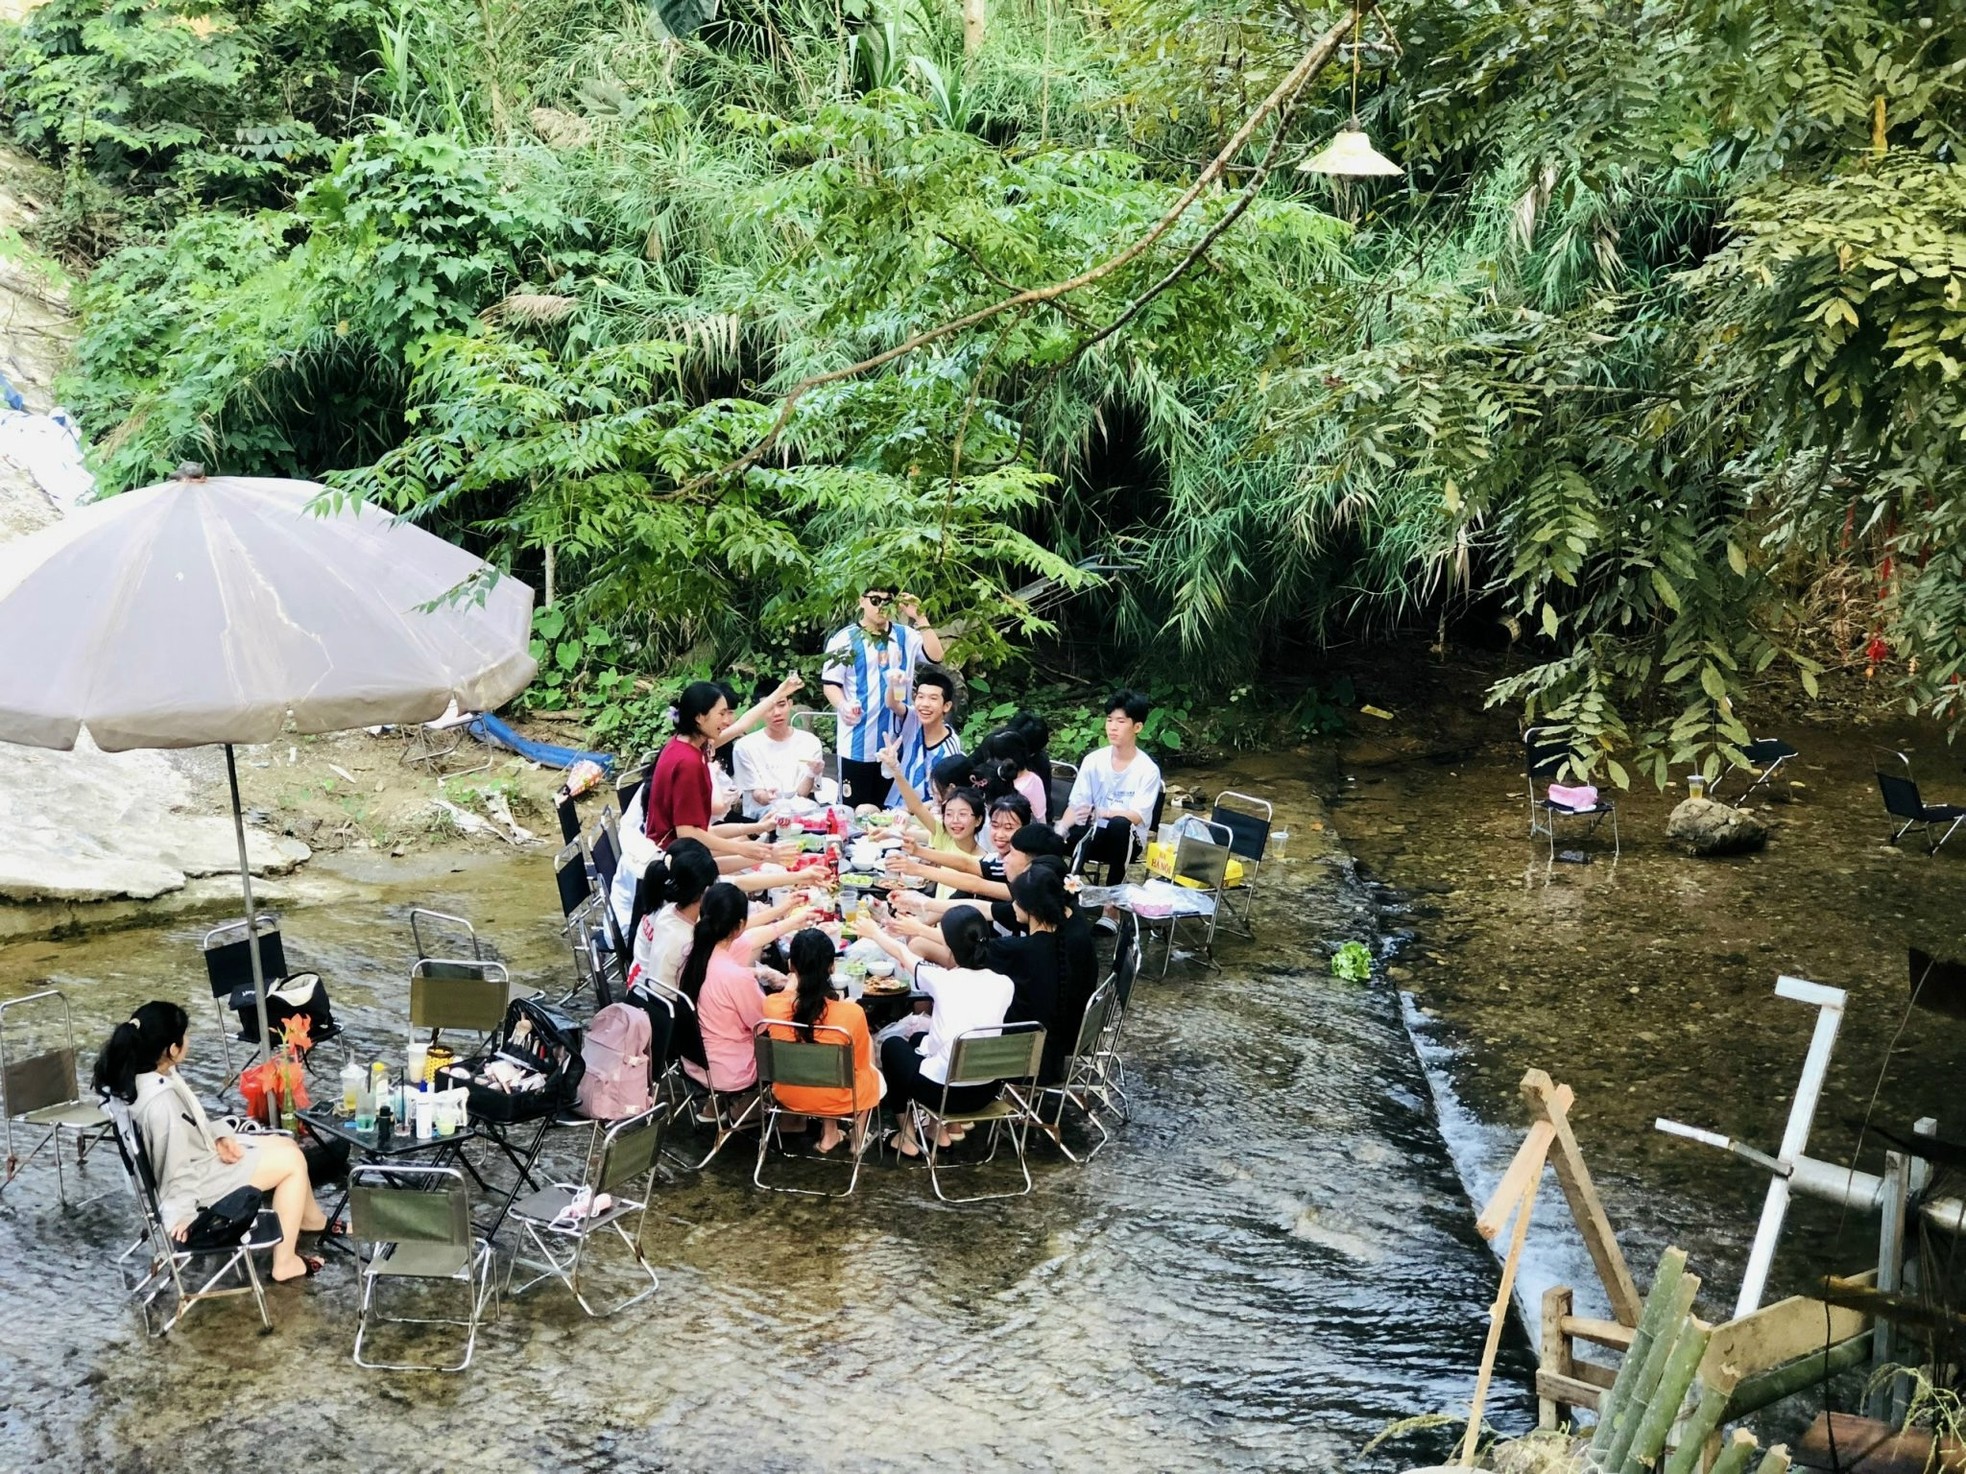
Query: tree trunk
x: 973, y: 23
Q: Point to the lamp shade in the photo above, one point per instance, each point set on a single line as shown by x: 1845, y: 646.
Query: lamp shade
x: 1349, y: 154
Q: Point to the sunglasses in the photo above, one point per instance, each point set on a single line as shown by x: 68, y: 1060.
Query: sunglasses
x: 878, y: 597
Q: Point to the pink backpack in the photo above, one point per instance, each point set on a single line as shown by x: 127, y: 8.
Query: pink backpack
x: 615, y: 1084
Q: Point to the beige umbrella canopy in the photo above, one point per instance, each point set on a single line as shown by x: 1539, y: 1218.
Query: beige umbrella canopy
x: 213, y: 609
x: 221, y: 609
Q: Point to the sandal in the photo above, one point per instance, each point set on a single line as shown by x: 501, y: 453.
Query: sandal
x: 312, y: 1264
x: 892, y: 1142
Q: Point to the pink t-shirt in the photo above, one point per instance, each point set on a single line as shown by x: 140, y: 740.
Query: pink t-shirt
x: 1033, y: 788
x: 727, y: 1010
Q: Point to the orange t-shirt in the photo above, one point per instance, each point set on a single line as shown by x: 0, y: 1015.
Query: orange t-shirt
x: 814, y: 1100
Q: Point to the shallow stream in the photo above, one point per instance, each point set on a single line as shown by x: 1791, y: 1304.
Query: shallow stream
x: 1271, y: 1263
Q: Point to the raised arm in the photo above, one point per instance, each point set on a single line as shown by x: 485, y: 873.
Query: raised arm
x: 790, y: 686
x: 910, y: 609
x: 891, y: 765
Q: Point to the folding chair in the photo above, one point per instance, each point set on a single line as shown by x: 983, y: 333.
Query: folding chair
x: 1766, y: 755
x: 1009, y: 1054
x: 814, y: 1057
x: 170, y: 1264
x: 609, y: 966
x: 229, y: 966
x: 1903, y: 801
x: 430, y: 743
x: 726, y: 1119
x: 41, y: 1090
x: 1058, y: 789
x: 1109, y: 1069
x: 1082, y: 1088
x: 470, y: 994
x: 445, y: 933
x: 1248, y: 820
x: 1543, y: 759
x: 568, y: 809
x: 1201, y: 865
x: 623, y: 1169
x: 584, y: 905
x: 416, y: 1221
x: 628, y: 786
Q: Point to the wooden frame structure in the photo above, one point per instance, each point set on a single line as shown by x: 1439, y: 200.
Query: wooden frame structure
x: 1751, y: 1361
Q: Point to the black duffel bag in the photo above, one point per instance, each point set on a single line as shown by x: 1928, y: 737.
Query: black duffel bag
x: 226, y: 1222
x: 532, y: 1069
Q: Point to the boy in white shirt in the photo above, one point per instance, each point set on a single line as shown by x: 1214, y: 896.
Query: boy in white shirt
x: 1113, y: 798
x: 777, y: 762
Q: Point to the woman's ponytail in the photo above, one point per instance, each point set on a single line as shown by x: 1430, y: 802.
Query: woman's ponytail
x: 137, y: 1045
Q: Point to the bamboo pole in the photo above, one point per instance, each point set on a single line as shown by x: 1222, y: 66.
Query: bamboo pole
x: 1499, y: 1311
x: 1715, y: 1392
x: 1675, y: 1380
x: 1734, y: 1458
x: 1777, y: 1461
x: 1672, y: 1269
x: 1635, y: 1407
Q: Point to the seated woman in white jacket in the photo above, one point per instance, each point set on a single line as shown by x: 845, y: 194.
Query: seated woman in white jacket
x: 194, y: 1165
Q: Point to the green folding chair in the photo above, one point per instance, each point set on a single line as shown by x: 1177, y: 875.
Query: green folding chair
x: 817, y: 1057
x: 1009, y: 1054
x: 415, y: 1222
x: 39, y: 1086
x: 622, y: 1169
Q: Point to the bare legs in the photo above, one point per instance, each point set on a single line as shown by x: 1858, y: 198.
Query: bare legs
x: 280, y: 1169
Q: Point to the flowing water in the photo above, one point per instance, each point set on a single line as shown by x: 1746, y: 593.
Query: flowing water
x: 1648, y: 984
x: 1272, y: 1262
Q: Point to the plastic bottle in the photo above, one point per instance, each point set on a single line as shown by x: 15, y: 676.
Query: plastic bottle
x: 385, y: 1126
x: 352, y: 1080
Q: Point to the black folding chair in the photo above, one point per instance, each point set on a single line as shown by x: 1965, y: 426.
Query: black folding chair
x: 1058, y: 789
x: 1543, y: 760
x: 1902, y: 800
x: 1248, y: 819
x: 1765, y: 755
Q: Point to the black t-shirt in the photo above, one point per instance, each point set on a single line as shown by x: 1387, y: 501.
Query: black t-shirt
x: 1032, y: 963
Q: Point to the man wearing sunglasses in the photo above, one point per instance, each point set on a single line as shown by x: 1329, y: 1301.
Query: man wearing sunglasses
x: 869, y: 678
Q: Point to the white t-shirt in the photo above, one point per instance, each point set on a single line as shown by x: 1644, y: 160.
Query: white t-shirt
x: 1134, y: 789
x: 965, y: 998
x: 661, y: 944
x: 762, y: 762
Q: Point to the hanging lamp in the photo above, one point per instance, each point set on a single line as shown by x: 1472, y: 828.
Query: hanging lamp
x: 1350, y: 153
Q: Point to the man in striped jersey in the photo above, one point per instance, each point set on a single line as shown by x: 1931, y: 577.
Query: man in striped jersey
x: 926, y: 736
x: 869, y: 676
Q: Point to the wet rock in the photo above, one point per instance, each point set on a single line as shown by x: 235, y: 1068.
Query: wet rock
x: 1702, y: 827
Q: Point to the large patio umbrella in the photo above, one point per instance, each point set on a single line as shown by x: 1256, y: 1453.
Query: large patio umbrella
x: 225, y: 609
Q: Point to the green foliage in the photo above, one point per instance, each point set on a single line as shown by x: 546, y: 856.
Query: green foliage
x: 1352, y: 963
x: 1655, y: 352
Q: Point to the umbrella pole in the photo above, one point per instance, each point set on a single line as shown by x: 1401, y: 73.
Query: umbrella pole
x: 252, y: 914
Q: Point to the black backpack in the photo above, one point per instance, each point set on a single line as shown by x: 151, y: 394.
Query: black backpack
x: 543, y: 1044
x: 303, y: 993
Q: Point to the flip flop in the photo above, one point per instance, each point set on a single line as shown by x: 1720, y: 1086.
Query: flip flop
x: 313, y: 1265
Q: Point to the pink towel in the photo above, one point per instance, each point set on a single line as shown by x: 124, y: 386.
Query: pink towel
x: 1584, y: 797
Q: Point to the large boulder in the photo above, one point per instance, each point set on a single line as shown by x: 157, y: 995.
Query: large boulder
x: 1702, y: 827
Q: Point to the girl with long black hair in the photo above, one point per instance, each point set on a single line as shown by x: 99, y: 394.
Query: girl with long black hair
x: 194, y: 1165
x: 812, y: 1002
x: 720, y: 981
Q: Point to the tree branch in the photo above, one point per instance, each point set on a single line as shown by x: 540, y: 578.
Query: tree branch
x: 1308, y: 66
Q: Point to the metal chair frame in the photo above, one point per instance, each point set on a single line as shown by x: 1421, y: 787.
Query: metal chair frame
x: 1248, y: 820
x: 1007, y: 1053
x: 1205, y: 862
x: 1109, y: 1068
x: 401, y: 1249
x: 1083, y: 1087
x: 421, y: 916
x: 631, y: 1149
x: 1902, y: 800
x: 228, y: 965
x: 43, y: 1092
x: 808, y: 1061
x: 1765, y: 753
x: 169, y: 1260
x: 1542, y: 759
